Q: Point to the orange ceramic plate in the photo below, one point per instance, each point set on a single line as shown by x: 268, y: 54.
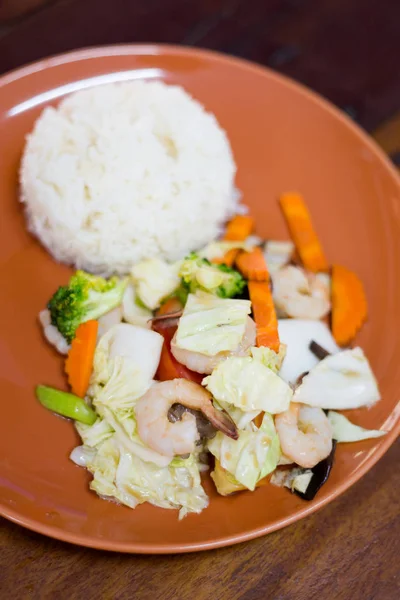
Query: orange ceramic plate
x: 284, y: 138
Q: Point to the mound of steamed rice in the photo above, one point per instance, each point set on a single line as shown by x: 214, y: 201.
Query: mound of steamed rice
x: 123, y: 172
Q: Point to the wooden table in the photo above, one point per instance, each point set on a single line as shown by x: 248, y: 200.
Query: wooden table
x: 347, y: 50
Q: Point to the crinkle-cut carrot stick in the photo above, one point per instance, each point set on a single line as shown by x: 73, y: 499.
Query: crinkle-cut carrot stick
x: 252, y: 265
x: 239, y: 228
x: 264, y: 314
x: 79, y: 362
x: 302, y: 231
x: 227, y: 259
x: 349, y: 304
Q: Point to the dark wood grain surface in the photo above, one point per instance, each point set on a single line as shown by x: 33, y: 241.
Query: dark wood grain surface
x: 348, y: 50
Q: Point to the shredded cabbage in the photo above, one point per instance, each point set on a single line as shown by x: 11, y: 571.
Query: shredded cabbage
x: 274, y: 453
x: 123, y: 467
x: 301, y: 481
x: 123, y: 476
x: 125, y: 362
x: 345, y: 431
x: 124, y: 387
x: 242, y: 419
x: 155, y: 280
x: 92, y: 435
x: 132, y: 312
x: 124, y: 365
x: 340, y: 381
x: 225, y: 483
x: 82, y: 455
x: 210, y: 325
x: 268, y: 357
x: 296, y: 479
x: 131, y: 441
x: 248, y: 384
x: 251, y: 457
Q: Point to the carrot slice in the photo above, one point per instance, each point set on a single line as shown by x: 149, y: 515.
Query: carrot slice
x: 349, y: 304
x: 79, y: 362
x: 239, y: 228
x: 264, y: 314
x: 302, y: 231
x: 171, y: 305
x: 252, y: 265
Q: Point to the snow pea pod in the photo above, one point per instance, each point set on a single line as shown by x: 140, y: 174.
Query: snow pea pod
x: 65, y: 404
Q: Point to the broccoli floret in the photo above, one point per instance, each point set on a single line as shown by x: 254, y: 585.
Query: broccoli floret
x: 233, y: 284
x: 199, y: 274
x: 85, y: 297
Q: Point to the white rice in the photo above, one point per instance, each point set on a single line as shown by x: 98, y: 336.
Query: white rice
x: 127, y: 171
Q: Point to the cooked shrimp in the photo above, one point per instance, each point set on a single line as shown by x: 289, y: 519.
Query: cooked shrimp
x: 51, y: 333
x: 300, y: 295
x: 200, y: 363
x: 174, y: 439
x: 305, y: 434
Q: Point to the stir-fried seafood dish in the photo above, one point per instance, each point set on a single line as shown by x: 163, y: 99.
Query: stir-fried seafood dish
x: 234, y: 360
x: 191, y: 344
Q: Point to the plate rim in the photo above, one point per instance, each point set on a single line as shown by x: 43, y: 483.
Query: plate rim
x: 383, y: 445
